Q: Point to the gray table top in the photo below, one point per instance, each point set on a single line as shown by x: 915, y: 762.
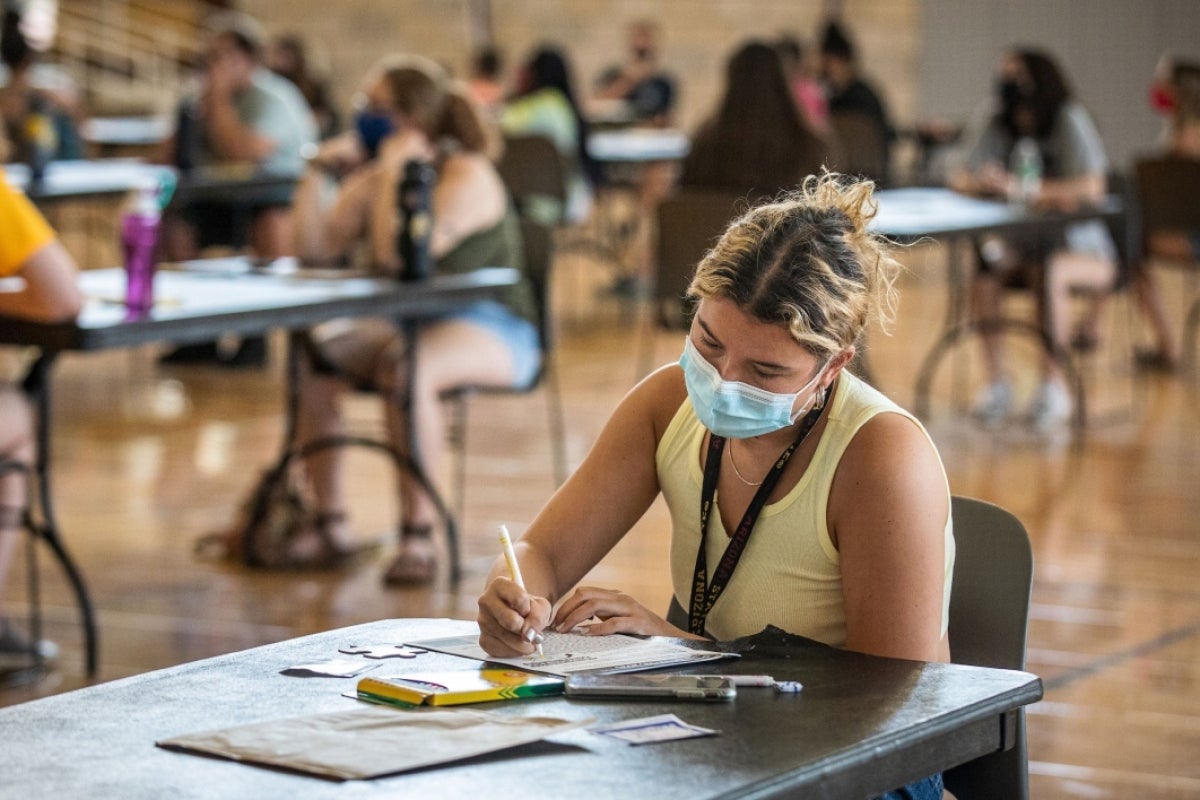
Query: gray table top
x: 93, y: 178
x: 861, y: 726
x: 204, y: 299
x: 932, y: 211
x: 67, y: 180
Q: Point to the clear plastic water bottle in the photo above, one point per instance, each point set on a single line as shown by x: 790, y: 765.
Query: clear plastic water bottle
x: 139, y: 237
x: 1026, y: 168
x: 415, y: 204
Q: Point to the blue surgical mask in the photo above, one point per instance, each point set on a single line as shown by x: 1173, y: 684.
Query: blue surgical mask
x: 372, y: 128
x: 733, y: 409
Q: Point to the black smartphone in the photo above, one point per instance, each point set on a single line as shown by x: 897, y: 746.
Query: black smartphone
x: 636, y: 686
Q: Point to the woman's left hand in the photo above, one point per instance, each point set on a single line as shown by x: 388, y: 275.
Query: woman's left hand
x: 617, y: 612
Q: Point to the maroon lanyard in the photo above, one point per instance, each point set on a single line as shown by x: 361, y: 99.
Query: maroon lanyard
x: 705, y: 594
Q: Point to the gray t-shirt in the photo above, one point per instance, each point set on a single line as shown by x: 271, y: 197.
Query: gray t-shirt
x: 275, y: 109
x: 1073, y: 149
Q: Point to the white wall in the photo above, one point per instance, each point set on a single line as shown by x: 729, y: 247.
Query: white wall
x: 1108, y: 48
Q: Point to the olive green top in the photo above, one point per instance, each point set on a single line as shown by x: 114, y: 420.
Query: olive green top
x: 497, y: 246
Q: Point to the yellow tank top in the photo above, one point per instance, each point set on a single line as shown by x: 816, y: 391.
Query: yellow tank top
x: 25, y: 230
x: 789, y: 574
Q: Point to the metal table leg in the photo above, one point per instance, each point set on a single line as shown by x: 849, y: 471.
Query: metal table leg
x: 37, y: 386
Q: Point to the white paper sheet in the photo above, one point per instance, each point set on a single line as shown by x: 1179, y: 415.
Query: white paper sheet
x: 565, y: 653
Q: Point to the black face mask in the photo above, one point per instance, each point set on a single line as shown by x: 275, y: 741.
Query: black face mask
x: 1010, y: 92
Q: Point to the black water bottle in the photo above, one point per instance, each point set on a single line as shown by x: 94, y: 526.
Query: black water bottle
x: 414, y: 202
x: 187, y: 137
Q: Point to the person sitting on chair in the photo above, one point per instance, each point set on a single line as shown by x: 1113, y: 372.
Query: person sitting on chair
x: 44, y: 274
x: 849, y: 93
x: 758, y: 141
x: 1036, y: 106
x: 544, y: 104
x: 489, y: 343
x: 20, y: 97
x: 1176, y: 94
x: 244, y: 114
x: 640, y: 81
x: 854, y: 545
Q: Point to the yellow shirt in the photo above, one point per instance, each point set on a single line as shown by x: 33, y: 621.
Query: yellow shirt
x: 23, y: 230
x: 790, y: 573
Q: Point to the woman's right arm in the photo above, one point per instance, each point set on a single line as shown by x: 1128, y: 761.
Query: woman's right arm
x: 584, y: 519
x: 50, y: 293
x: 325, y: 234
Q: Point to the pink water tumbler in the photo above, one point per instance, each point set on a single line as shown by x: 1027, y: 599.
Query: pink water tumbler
x: 139, y: 235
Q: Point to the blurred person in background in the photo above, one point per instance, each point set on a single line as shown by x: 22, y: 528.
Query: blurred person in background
x: 20, y: 98
x: 243, y: 114
x: 806, y: 89
x: 846, y: 90
x: 1175, y: 94
x: 544, y: 103
x: 1034, y: 104
x: 758, y: 141
x: 288, y: 57
x: 37, y: 281
x: 485, y: 86
x: 644, y: 95
x: 490, y: 343
x: 640, y: 81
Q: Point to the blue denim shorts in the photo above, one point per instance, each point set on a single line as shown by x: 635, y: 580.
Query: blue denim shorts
x: 925, y: 789
x: 520, y: 335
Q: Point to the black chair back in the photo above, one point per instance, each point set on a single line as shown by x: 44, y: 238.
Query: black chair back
x: 989, y: 620
x: 531, y: 166
x: 689, y: 224
x: 862, y: 146
x: 538, y: 240
x: 1168, y: 193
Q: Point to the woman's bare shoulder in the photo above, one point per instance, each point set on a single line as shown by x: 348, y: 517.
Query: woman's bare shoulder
x: 659, y: 396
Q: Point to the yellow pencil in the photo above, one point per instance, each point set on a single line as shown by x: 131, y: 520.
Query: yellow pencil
x: 514, y: 572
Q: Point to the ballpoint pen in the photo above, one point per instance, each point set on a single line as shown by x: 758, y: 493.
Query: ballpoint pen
x: 514, y: 572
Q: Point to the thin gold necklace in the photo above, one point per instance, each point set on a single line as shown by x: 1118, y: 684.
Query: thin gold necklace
x: 736, y: 471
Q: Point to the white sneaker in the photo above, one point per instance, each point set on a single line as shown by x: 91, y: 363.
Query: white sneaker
x: 1051, y: 406
x: 994, y: 402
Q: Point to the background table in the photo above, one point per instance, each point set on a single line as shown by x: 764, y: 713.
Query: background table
x: 862, y: 726
x: 913, y: 214
x: 84, y: 179
x: 638, y: 145
x: 212, y: 298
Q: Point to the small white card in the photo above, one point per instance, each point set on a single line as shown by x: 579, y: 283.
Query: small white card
x: 662, y: 728
x: 336, y: 668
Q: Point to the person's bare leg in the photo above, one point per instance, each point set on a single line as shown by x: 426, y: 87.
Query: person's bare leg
x: 1065, y: 272
x: 273, y: 235
x: 448, y: 355
x: 318, y: 417
x: 1172, y: 246
x: 356, y: 351
x: 16, y: 444
x: 985, y: 306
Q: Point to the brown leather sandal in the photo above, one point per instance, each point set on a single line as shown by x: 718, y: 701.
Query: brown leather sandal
x: 416, y: 563
x: 311, y: 549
